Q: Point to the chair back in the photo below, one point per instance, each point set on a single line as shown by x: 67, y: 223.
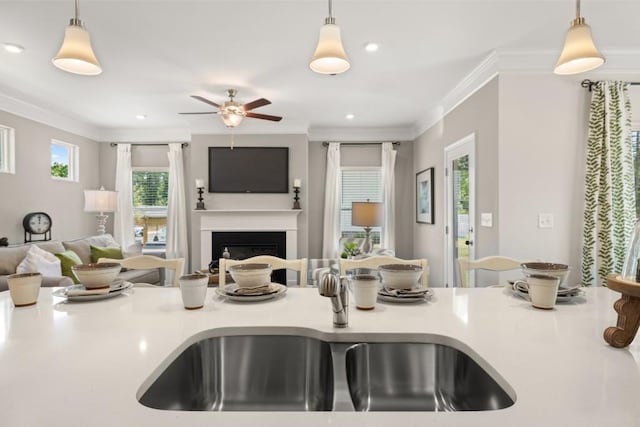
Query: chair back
x: 276, y: 263
x: 490, y: 263
x: 144, y: 262
x: 377, y: 261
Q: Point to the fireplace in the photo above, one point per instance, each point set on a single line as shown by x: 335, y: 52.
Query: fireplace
x: 248, y: 220
x: 247, y: 244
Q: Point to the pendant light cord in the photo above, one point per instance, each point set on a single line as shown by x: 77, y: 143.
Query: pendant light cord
x: 77, y: 10
x: 578, y: 9
x: 330, y: 9
x: 330, y: 19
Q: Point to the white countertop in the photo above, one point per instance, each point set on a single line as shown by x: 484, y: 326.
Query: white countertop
x: 80, y: 364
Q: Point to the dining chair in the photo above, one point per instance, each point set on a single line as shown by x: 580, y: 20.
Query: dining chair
x: 276, y: 263
x: 490, y: 263
x: 143, y: 262
x: 377, y: 261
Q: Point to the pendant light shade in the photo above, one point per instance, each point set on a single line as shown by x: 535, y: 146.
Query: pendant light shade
x: 580, y: 53
x: 76, y: 55
x: 232, y: 120
x: 329, y: 57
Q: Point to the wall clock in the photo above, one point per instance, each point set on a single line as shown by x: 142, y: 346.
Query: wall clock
x: 36, y: 223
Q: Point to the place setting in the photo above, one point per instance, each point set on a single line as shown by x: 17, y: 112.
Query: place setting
x: 544, y: 285
x: 400, y: 284
x: 252, y: 284
x: 97, y: 282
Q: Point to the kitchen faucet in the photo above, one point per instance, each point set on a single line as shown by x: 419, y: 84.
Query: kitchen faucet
x: 330, y: 286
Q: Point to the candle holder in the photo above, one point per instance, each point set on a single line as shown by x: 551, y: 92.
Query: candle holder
x: 200, y: 204
x: 296, y: 198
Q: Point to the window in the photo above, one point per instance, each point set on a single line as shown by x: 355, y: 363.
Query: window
x: 7, y: 150
x: 358, y: 185
x: 150, y: 196
x: 65, y: 159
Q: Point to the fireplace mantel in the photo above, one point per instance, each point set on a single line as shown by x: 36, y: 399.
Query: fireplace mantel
x: 247, y: 220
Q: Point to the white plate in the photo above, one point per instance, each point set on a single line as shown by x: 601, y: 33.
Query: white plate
x: 226, y: 292
x: 117, y: 289
x: 406, y: 299
x: 559, y: 298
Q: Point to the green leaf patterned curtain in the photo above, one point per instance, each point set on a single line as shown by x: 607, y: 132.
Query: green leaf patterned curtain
x: 609, y: 210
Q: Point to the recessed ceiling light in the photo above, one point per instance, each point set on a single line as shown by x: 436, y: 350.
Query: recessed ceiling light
x: 350, y: 116
x: 12, y: 47
x: 141, y: 116
x: 371, y: 47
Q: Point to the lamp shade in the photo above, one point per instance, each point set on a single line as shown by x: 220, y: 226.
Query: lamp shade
x: 367, y: 214
x: 100, y: 201
x: 232, y: 120
x: 76, y: 55
x: 330, y: 57
x: 580, y: 53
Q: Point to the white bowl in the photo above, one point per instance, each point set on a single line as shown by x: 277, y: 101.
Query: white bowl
x: 561, y: 271
x: 400, y: 276
x: 251, y: 274
x: 96, y: 275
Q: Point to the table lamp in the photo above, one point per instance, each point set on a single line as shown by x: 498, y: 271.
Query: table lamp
x: 100, y: 201
x: 367, y: 215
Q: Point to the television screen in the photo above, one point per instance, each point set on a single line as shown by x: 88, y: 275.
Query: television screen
x: 249, y: 170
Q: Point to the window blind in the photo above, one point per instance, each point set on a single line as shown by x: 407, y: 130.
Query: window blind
x: 150, y: 189
x: 358, y: 185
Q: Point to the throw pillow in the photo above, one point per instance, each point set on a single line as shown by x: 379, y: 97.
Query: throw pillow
x: 99, y: 252
x: 68, y: 259
x: 39, y: 260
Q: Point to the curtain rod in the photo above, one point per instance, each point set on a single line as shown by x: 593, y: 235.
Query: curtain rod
x: 326, y: 143
x: 588, y: 84
x: 115, y: 144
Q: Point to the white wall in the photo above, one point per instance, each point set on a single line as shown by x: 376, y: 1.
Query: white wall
x: 31, y: 188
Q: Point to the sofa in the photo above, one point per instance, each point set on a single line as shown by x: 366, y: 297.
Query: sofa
x: 11, y: 256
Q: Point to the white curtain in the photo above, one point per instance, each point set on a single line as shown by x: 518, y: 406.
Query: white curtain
x: 177, y: 246
x: 388, y: 237
x: 332, y: 200
x: 123, y: 217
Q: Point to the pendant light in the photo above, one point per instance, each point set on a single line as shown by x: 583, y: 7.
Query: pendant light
x: 580, y: 53
x: 76, y: 55
x: 329, y: 57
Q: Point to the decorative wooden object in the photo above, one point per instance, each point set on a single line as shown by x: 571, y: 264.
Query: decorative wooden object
x: 628, y: 309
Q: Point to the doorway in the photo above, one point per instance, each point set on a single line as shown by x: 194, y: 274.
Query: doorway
x: 460, y: 207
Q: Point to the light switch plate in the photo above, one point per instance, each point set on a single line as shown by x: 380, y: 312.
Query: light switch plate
x: 486, y: 219
x: 545, y: 220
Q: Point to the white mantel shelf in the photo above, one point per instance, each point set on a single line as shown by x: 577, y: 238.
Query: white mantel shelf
x: 212, y: 220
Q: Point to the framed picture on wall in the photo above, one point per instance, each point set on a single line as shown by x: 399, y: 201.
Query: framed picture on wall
x: 424, y: 197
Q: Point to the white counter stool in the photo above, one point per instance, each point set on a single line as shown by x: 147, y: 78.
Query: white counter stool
x: 491, y: 263
x: 376, y: 261
x: 144, y: 262
x: 276, y: 263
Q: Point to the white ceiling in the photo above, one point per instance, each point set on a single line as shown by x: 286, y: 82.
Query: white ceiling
x: 157, y: 53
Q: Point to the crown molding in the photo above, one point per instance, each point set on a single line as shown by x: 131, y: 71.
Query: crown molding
x: 38, y: 114
x: 358, y: 134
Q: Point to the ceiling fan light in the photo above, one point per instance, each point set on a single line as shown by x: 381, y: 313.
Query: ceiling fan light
x: 329, y: 57
x: 76, y: 55
x: 580, y: 53
x: 232, y: 120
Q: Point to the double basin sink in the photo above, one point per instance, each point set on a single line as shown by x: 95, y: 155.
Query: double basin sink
x: 285, y: 372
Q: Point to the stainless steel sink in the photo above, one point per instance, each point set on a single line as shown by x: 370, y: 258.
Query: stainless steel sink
x: 289, y: 371
x: 247, y: 373
x: 419, y: 377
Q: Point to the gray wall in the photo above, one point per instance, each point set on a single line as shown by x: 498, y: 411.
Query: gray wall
x: 31, y: 188
x: 479, y: 114
x: 367, y: 155
x: 196, y: 166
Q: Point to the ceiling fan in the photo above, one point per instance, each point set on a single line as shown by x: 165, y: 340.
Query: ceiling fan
x: 233, y: 112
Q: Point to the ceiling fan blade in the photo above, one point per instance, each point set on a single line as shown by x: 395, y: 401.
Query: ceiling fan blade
x: 205, y: 100
x: 210, y: 112
x: 264, y: 117
x: 255, y: 104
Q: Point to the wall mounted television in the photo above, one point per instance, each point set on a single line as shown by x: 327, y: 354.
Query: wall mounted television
x: 249, y: 170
